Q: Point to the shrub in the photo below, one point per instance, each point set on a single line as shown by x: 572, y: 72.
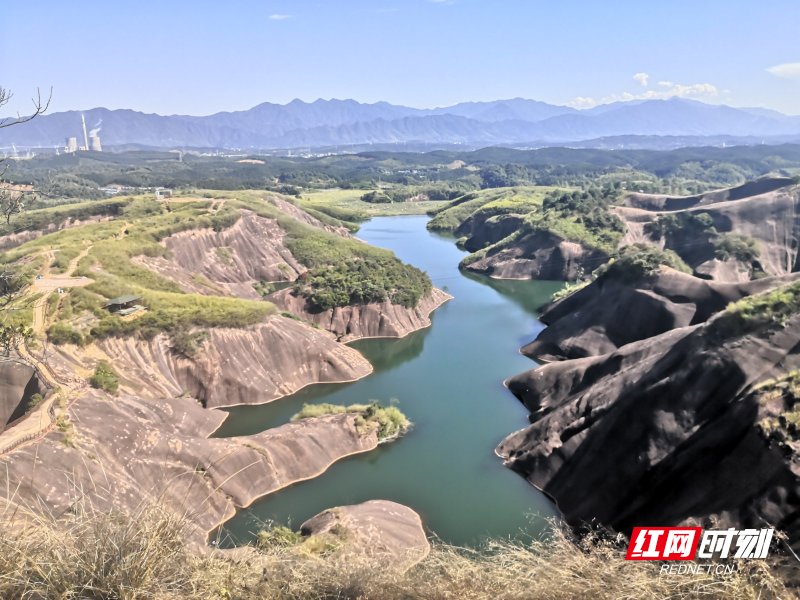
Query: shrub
x: 387, y: 421
x: 772, y: 309
x: 733, y: 245
x: 187, y: 343
x: 362, y: 280
x: 686, y: 223
x: 278, y: 536
x: 376, y: 197
x: 640, y: 260
x: 62, y: 333
x: 105, y: 378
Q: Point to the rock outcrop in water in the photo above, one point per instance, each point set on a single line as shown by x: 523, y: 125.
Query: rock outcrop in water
x: 539, y: 255
x: 696, y: 424
x: 379, y: 528
x: 118, y: 452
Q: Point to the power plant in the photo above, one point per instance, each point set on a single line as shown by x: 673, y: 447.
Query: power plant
x: 91, y: 140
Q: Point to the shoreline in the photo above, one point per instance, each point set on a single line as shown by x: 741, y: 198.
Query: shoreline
x: 446, y: 298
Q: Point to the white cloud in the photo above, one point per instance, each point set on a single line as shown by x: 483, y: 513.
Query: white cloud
x: 279, y: 17
x: 786, y: 70
x: 664, y: 90
x: 641, y: 78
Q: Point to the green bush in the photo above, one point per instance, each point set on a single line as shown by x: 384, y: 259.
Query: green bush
x: 686, y: 223
x: 278, y: 536
x: 187, y: 343
x: 105, y: 378
x: 640, y: 260
x: 767, y: 310
x: 733, y: 245
x: 362, y: 280
x: 376, y: 197
x: 388, y: 422
x: 62, y: 333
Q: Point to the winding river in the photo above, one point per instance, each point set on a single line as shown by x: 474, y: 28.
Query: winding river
x: 448, y: 379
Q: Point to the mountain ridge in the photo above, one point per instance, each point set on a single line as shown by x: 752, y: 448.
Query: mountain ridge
x: 343, y: 122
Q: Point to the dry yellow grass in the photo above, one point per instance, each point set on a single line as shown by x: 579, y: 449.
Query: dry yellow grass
x: 143, y: 556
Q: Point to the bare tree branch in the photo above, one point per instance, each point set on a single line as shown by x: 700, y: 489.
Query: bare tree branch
x: 39, y: 107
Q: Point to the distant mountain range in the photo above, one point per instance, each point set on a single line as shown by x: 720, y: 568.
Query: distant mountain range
x: 330, y: 123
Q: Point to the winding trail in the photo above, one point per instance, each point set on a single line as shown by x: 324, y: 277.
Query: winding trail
x: 42, y: 419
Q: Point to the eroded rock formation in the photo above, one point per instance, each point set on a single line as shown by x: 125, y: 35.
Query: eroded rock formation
x: 666, y: 430
x: 18, y: 383
x: 611, y: 312
x: 539, y: 255
x: 368, y: 320
x: 232, y: 366
x: 118, y: 452
x: 379, y: 528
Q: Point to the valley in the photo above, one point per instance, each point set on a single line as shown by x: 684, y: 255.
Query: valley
x: 296, y: 371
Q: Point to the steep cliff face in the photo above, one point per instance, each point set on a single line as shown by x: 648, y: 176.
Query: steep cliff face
x: 18, y: 382
x: 611, y: 312
x: 232, y: 366
x: 484, y: 228
x: 229, y: 261
x: 765, y: 211
x: 120, y: 452
x: 663, y: 202
x: 349, y: 323
x: 538, y: 255
x: 666, y: 430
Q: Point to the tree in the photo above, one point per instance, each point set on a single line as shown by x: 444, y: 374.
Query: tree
x: 14, y: 197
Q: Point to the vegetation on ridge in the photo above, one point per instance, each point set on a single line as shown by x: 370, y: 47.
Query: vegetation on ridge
x: 387, y: 421
x: 90, y: 554
x: 769, y: 310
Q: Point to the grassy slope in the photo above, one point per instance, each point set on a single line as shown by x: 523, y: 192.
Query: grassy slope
x: 350, y: 201
x: 496, y: 201
x: 138, y: 227
x: 143, y: 555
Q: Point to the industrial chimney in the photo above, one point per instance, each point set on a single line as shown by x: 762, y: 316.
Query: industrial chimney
x: 85, y: 135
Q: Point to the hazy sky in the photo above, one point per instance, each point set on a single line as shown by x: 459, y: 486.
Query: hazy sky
x: 204, y: 56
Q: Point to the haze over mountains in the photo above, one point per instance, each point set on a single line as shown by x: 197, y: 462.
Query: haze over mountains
x: 325, y: 123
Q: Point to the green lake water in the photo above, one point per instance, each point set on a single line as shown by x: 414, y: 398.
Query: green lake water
x: 448, y: 380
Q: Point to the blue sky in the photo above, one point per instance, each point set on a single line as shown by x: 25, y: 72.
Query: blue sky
x: 202, y: 56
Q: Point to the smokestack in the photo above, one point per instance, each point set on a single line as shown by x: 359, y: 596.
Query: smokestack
x: 85, y: 135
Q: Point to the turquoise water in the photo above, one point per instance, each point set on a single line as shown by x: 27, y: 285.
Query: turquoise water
x: 448, y: 380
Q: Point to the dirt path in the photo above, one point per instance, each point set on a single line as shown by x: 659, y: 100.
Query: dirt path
x: 41, y: 420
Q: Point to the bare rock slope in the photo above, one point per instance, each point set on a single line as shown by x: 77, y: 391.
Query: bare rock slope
x: 233, y: 366
x: 18, y: 382
x: 230, y: 261
x: 380, y: 528
x: 675, y: 428
x: 118, y: 452
x: 766, y: 211
x: 539, y: 255
x: 349, y: 323
x: 611, y: 312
